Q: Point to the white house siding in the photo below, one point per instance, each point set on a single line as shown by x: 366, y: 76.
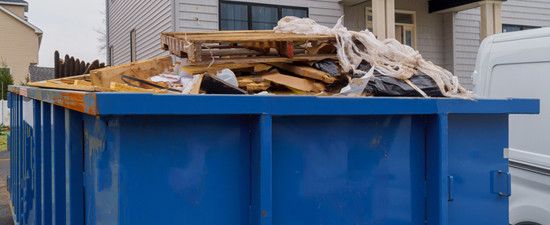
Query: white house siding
x: 467, y: 30
x: 203, y: 15
x: 149, y: 18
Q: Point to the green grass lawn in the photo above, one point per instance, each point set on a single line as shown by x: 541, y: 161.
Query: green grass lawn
x: 4, y: 138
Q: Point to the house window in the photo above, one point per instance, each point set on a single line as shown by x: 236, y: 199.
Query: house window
x: 252, y: 16
x: 133, y: 45
x: 405, y: 26
x: 511, y: 28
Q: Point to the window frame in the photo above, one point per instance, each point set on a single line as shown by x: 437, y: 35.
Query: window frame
x: 522, y: 27
x: 249, y: 10
x: 412, y: 26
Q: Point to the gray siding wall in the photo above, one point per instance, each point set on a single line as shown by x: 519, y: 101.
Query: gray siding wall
x: 149, y: 18
x: 468, y: 31
x: 448, y: 41
x: 195, y: 15
x: 467, y: 40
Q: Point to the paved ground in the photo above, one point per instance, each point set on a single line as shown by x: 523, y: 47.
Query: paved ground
x: 5, y: 211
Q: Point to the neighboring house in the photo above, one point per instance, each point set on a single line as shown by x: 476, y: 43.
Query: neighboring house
x: 40, y: 73
x: 445, y: 32
x: 19, y: 39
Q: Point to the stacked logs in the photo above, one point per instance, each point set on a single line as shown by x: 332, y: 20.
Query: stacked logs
x: 71, y: 67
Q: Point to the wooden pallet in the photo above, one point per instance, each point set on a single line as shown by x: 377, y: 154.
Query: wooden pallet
x: 247, y: 46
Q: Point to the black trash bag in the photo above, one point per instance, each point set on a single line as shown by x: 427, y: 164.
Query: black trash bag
x: 340, y: 82
x: 328, y: 66
x: 364, y: 66
x: 381, y: 85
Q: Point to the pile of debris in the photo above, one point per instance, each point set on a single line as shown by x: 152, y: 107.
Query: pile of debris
x: 297, y: 57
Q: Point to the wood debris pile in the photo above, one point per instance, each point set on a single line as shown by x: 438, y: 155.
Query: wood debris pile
x: 235, y: 62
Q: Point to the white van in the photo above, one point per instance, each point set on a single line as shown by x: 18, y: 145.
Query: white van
x: 517, y: 65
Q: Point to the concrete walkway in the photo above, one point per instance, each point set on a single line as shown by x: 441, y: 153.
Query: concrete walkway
x: 5, y: 211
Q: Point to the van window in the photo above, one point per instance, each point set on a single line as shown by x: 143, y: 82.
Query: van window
x: 511, y: 28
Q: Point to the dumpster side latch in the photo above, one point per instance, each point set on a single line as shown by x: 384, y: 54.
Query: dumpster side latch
x: 501, y: 183
x: 451, y: 180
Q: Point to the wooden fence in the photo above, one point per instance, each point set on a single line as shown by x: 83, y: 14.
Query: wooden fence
x: 72, y: 67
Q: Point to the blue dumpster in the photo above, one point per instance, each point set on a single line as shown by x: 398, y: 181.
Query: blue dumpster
x: 113, y: 158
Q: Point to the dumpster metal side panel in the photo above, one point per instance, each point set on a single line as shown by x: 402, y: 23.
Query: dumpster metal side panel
x: 101, y: 145
x: 476, y: 144
x: 348, y: 170
x: 193, y: 168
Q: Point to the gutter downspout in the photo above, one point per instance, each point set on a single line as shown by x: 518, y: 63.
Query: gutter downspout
x: 174, y: 22
x: 108, y: 47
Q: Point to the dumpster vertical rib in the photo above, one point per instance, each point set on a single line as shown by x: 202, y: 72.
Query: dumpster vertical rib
x: 58, y: 165
x: 74, y: 148
x: 261, y: 172
x: 20, y: 159
x: 36, y: 162
x: 437, y: 167
x: 46, y: 142
x: 10, y: 146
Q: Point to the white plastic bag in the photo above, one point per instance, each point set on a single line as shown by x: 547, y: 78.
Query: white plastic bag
x: 357, y: 85
x: 228, y: 76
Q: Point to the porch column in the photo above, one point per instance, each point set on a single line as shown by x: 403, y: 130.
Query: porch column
x: 491, y: 19
x: 390, y: 18
x: 379, y: 19
x: 383, y: 18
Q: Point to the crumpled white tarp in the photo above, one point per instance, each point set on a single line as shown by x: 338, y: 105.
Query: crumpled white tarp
x: 388, y: 57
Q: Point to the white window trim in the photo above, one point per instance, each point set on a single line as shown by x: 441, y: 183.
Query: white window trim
x: 368, y: 12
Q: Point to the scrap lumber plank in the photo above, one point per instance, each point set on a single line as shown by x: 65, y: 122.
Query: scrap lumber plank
x: 253, y: 83
x: 216, y: 32
x: 249, y: 67
x: 306, y: 71
x: 301, y: 84
x: 228, y: 52
x: 67, y: 86
x: 254, y: 87
x: 261, y: 67
x: 127, y: 88
x: 82, y: 82
x: 197, y: 88
x: 253, y: 37
x: 266, y: 59
x: 141, y: 70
